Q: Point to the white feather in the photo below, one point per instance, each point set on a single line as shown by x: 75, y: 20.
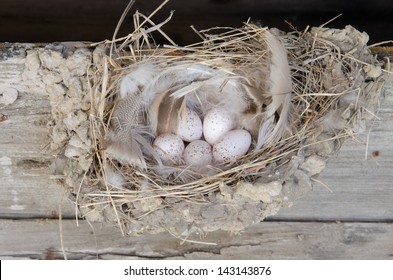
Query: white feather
x: 279, y: 88
x: 143, y: 74
x: 280, y: 74
x: 184, y: 77
x: 218, y: 89
x: 177, y: 76
x: 243, y: 93
x: 333, y: 121
x: 112, y: 178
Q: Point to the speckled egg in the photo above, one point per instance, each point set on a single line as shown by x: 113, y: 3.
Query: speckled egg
x: 189, y: 126
x: 216, y: 123
x: 169, y: 148
x: 198, y: 153
x: 232, y: 145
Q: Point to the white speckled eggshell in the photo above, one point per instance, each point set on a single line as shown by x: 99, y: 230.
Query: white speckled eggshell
x: 198, y: 153
x: 232, y: 145
x: 169, y: 148
x: 190, y: 128
x: 216, y: 123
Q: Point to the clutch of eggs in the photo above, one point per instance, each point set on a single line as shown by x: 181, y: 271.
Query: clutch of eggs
x: 216, y: 140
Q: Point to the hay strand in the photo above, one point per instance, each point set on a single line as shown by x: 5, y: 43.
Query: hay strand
x: 328, y: 99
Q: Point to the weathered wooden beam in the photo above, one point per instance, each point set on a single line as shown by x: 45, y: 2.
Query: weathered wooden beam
x: 27, y: 186
x: 360, y: 180
x: 357, y: 185
x: 360, y: 185
x: 40, y: 239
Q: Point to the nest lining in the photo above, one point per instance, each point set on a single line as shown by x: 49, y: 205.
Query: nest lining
x: 335, y: 88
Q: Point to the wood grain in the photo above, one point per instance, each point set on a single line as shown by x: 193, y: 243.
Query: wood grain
x: 269, y: 240
x: 361, y: 187
x: 360, y: 178
x: 27, y: 188
x: 361, y: 196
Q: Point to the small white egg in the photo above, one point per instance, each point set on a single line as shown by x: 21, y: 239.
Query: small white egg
x: 198, y: 153
x: 169, y: 148
x: 232, y: 145
x: 216, y: 123
x: 189, y: 127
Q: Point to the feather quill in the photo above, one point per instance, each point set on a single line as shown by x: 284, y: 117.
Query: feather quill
x: 170, y: 90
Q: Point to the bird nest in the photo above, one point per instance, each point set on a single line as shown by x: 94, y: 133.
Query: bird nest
x: 334, y: 90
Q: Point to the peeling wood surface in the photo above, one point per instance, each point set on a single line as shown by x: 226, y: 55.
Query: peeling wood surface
x: 360, y: 195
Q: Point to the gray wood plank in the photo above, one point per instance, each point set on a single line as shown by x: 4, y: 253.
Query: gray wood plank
x: 269, y: 240
x: 27, y: 188
x: 362, y: 189
x: 360, y: 178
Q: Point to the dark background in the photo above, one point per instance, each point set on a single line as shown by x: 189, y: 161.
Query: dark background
x: 95, y: 20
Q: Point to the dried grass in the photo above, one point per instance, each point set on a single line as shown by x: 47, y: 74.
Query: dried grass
x: 322, y: 75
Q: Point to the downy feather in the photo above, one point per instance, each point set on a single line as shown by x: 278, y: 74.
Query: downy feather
x: 254, y: 96
x: 143, y: 74
x: 113, y: 178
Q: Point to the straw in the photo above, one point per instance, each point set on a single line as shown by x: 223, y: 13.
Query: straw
x: 311, y: 59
